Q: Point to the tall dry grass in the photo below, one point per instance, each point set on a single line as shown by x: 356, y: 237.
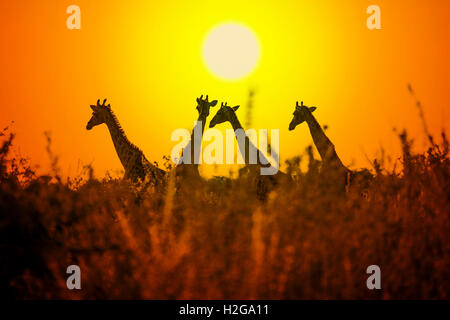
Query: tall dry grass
x: 219, y: 241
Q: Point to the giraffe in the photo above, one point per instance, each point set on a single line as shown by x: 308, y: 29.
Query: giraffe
x: 137, y: 168
x: 191, y: 170
x: 251, y: 171
x: 331, y: 163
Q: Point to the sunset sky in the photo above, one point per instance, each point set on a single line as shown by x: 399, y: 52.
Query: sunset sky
x: 145, y: 57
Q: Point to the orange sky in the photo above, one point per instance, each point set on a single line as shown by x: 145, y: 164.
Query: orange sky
x: 146, y: 59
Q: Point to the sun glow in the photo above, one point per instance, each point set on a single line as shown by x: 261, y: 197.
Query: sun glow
x: 231, y: 51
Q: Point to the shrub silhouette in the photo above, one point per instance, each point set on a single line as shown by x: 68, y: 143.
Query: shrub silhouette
x: 220, y: 241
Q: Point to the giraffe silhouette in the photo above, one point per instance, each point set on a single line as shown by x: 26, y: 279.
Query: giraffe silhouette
x: 190, y: 170
x: 251, y: 171
x: 137, y: 168
x: 332, y: 166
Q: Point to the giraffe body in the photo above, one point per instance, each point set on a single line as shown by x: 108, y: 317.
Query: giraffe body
x: 137, y: 168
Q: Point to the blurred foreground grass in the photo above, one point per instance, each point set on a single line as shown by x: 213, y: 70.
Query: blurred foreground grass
x: 219, y: 241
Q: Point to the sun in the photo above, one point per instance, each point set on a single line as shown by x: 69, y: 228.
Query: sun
x: 231, y: 51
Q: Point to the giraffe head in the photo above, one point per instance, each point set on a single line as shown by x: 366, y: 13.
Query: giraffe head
x: 224, y: 114
x: 204, y: 105
x: 299, y: 114
x: 99, y: 114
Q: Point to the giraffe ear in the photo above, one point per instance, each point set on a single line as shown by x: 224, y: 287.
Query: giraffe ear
x: 235, y: 108
x: 93, y: 107
x: 213, y: 103
x: 312, y: 109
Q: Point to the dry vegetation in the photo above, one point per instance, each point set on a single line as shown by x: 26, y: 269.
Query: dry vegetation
x: 220, y: 241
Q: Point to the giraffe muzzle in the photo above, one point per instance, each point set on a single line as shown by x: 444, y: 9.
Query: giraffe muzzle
x: 291, y: 126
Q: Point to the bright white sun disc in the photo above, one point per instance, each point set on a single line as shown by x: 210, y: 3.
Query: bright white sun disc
x: 231, y: 51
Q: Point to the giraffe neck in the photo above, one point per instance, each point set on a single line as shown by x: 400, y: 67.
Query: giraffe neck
x: 124, y: 148
x: 196, y: 150
x: 323, y: 144
x: 192, y: 148
x: 249, y: 146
